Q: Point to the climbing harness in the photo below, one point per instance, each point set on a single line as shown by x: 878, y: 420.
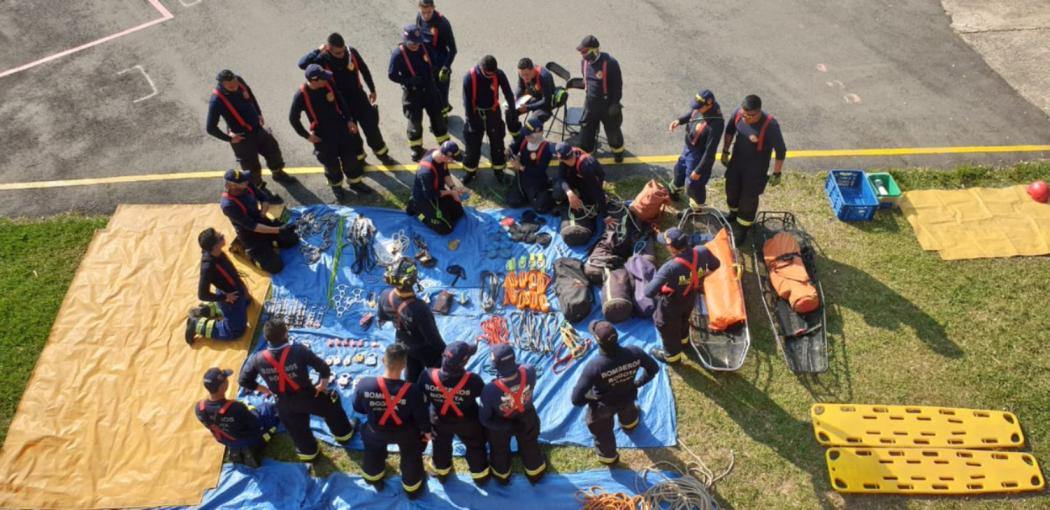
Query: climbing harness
x: 572, y: 348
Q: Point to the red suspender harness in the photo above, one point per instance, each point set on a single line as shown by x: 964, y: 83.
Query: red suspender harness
x: 694, y: 276
x: 450, y: 402
x: 220, y: 435
x: 761, y: 131
x: 229, y: 106
x: 310, y: 107
x: 391, y: 403
x: 516, y: 397
x: 282, y: 376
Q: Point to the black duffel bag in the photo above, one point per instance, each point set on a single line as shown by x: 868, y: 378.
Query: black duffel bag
x: 617, y: 294
x: 572, y: 288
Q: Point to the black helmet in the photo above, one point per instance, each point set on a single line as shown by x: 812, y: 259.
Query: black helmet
x: 402, y: 274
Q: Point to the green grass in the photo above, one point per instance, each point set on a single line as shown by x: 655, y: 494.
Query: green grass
x: 905, y: 328
x: 37, y: 262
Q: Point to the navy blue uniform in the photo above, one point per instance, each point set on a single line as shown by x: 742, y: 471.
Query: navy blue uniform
x: 604, y: 88
x: 245, y: 214
x: 350, y: 75
x: 532, y: 186
x: 329, y: 115
x: 674, y: 288
x: 419, y: 91
x: 455, y: 416
x: 585, y: 179
x: 234, y: 425
x: 747, y: 173
x: 702, y: 134
x: 541, y: 88
x: 243, y: 116
x: 484, y: 116
x: 507, y: 411
x: 286, y: 371
x: 414, y: 327
x: 609, y: 387
x: 439, y: 213
x: 441, y: 43
x: 220, y: 273
x: 396, y: 414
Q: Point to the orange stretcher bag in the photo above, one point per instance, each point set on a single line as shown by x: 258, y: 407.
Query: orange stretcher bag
x: 787, y: 273
x: 722, y: 293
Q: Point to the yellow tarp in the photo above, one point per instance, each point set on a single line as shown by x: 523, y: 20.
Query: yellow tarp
x: 978, y: 222
x: 106, y: 419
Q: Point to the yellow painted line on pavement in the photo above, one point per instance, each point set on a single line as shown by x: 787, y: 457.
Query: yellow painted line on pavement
x: 632, y: 160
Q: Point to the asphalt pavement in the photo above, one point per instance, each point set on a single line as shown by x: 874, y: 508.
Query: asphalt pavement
x: 841, y: 75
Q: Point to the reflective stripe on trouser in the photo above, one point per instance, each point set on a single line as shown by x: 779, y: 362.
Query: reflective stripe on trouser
x: 744, y: 186
x: 234, y: 320
x: 258, y: 142
x: 413, y: 103
x: 294, y: 411
x: 440, y: 471
x: 672, y: 321
x: 477, y: 126
x: 600, y: 421
x: 409, y: 443
x: 598, y: 112
x: 526, y: 430
x: 337, y: 154
x: 367, y: 117
x: 470, y: 433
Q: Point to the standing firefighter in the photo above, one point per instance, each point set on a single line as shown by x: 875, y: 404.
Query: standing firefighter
x: 507, y: 411
x: 604, y: 87
x: 285, y: 368
x: 674, y: 288
x: 414, y: 325
x: 747, y: 169
x: 247, y: 133
x: 412, y: 68
x: 351, y: 74
x: 609, y: 386
x: 332, y: 131
x: 704, y: 125
x: 452, y: 392
x: 397, y: 414
x: 441, y: 43
x: 481, y: 88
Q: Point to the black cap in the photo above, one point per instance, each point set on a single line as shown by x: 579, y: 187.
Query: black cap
x: 225, y: 75
x: 456, y: 356
x: 674, y: 237
x: 604, y: 333
x: 503, y: 359
x: 214, y: 378
x: 702, y: 98
x: 238, y: 176
x: 315, y: 71
x: 588, y: 42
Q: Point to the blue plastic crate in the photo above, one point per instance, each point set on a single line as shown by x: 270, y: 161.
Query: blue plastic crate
x: 851, y: 195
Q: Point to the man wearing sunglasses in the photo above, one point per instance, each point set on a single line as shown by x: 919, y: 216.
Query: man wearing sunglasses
x: 747, y: 169
x: 603, y: 83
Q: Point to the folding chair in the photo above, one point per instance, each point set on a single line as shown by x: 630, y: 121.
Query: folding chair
x: 568, y: 118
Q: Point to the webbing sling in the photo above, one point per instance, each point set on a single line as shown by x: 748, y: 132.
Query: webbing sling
x: 761, y: 131
x: 517, y: 402
x: 391, y: 403
x: 213, y: 426
x: 449, y: 394
x: 282, y: 376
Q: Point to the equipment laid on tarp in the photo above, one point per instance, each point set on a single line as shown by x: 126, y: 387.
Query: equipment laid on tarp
x: 617, y: 294
x: 978, y: 222
x: 932, y: 471
x: 282, y: 485
x: 106, y: 419
x: 801, y: 337
x: 914, y: 426
x: 718, y: 328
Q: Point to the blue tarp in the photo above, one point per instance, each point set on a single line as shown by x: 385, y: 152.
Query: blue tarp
x: 283, y: 486
x: 484, y: 246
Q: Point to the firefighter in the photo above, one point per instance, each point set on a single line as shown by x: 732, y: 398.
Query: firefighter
x: 580, y: 194
x: 258, y: 237
x: 350, y: 73
x: 223, y: 315
x: 397, y: 414
x: 481, y: 88
x: 441, y: 43
x: 704, y: 125
x: 412, y: 68
x: 674, y: 288
x: 747, y: 169
x: 413, y: 320
x: 285, y: 368
x: 246, y: 130
x: 537, y: 83
x: 436, y: 197
x: 609, y: 386
x: 232, y: 423
x: 530, y: 158
x: 507, y: 411
x: 452, y: 392
x: 604, y: 89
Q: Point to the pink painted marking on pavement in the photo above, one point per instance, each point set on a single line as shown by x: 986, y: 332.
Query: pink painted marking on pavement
x: 165, y: 16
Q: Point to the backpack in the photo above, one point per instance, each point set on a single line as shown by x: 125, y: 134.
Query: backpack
x: 641, y: 270
x: 650, y: 202
x: 572, y: 288
x: 617, y: 291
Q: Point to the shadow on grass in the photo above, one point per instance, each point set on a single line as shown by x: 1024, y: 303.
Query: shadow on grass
x: 880, y: 306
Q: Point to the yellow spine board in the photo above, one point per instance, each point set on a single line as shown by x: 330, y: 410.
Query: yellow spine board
x: 914, y: 427
x: 932, y: 471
